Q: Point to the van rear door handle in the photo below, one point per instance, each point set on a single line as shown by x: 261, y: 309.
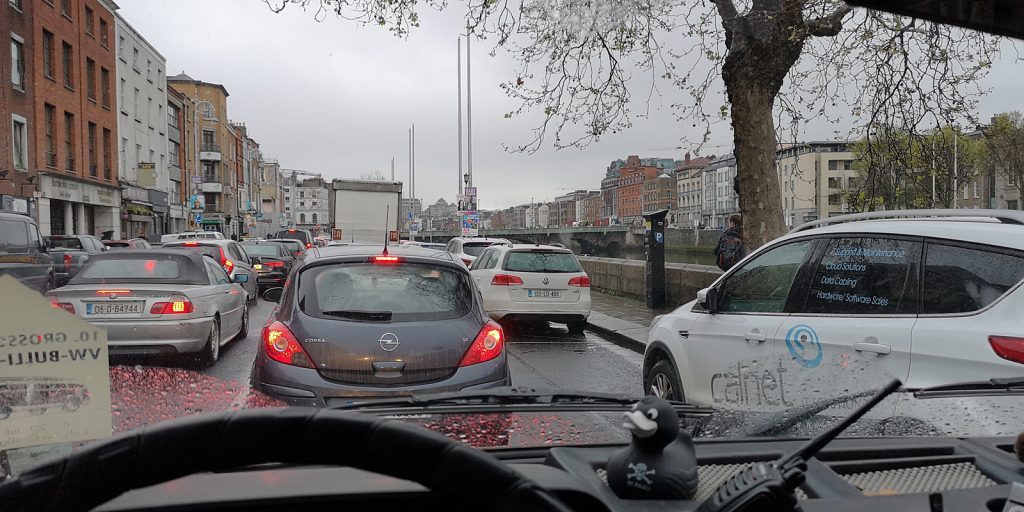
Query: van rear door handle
x: 876, y: 348
x: 755, y: 336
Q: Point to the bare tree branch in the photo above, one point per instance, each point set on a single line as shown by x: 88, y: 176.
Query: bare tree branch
x: 828, y: 26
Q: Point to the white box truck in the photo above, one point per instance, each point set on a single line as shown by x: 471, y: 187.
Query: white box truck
x: 365, y: 211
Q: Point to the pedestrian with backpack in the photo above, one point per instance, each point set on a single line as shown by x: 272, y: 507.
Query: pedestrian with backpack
x: 730, y: 248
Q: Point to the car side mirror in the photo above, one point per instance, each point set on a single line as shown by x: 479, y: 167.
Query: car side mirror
x: 241, y: 278
x: 273, y: 294
x: 708, y: 299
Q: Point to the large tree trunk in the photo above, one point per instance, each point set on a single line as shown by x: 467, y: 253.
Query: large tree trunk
x: 755, y: 142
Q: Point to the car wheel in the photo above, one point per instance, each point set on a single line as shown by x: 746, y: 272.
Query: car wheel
x: 244, y: 330
x: 211, y: 351
x: 663, y: 382
x: 577, y: 327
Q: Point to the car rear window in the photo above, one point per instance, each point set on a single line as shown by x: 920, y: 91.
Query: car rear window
x: 261, y: 249
x: 212, y: 251
x: 408, y: 291
x: 64, y: 243
x: 294, y: 235
x: 132, y: 269
x: 293, y: 245
x: 475, y: 248
x: 116, y: 245
x: 541, y: 261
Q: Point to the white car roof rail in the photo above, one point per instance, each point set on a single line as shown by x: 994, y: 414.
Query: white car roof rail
x: 1003, y: 216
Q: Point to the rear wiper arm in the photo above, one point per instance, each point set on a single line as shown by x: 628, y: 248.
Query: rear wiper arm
x: 360, y: 315
x: 994, y: 384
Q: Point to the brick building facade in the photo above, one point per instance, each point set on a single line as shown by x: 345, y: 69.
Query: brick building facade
x: 17, y: 117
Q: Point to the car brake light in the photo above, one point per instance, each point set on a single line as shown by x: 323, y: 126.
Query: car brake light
x: 191, y: 244
x: 1008, y: 347
x: 280, y: 344
x: 66, y: 306
x: 113, y: 292
x: 581, y: 281
x: 467, y: 261
x: 225, y: 262
x: 385, y: 260
x: 274, y: 264
x: 178, y: 305
x: 291, y: 230
x: 506, y: 280
x: 67, y: 262
x: 488, y: 345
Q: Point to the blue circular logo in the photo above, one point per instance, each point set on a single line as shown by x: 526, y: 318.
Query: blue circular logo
x: 803, y: 344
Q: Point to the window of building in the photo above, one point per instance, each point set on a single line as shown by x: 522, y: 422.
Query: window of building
x: 159, y: 79
x: 49, y: 112
x: 967, y: 189
x: 48, y: 54
x: 105, y: 87
x: 314, y: 219
x: 172, y: 115
x: 302, y: 218
x: 104, y: 33
x: 69, y: 142
x: 90, y: 19
x: 90, y: 79
x: 149, y: 112
x: 107, y: 135
x: 160, y: 117
x: 135, y: 59
x: 16, y: 4
x: 833, y: 165
x: 122, y: 100
x: 124, y: 153
x: 120, y: 48
x: 854, y: 183
x: 19, y: 140
x: 149, y: 70
x: 93, y: 155
x: 172, y: 152
x: 65, y: 7
x: 67, y: 63
x: 136, y: 103
x: 835, y: 183
x: 17, y: 62
x: 835, y: 199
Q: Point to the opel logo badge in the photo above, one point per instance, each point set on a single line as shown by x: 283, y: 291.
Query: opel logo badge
x: 389, y: 342
x: 546, y: 281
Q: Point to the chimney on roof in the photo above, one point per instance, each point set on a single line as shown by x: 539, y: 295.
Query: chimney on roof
x: 687, y: 157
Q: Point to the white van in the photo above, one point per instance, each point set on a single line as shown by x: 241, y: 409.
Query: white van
x: 192, y: 235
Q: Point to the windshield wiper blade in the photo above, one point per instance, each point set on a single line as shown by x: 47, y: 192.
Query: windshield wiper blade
x: 360, y: 315
x: 779, y: 422
x: 993, y: 384
x: 497, y: 396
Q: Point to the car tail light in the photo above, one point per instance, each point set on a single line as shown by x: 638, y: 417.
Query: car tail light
x: 467, y: 261
x: 385, y: 260
x: 280, y: 344
x: 581, y: 281
x: 225, y: 262
x: 274, y: 264
x: 67, y: 262
x: 309, y: 245
x: 178, y: 305
x: 1010, y: 348
x: 489, y: 343
x: 506, y: 280
x: 191, y: 244
x: 66, y: 306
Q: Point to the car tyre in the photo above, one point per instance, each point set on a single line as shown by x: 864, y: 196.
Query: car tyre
x: 577, y: 327
x: 243, y: 331
x: 663, y: 382
x: 211, y: 351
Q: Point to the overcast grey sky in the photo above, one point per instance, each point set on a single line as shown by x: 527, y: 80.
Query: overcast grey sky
x: 338, y: 98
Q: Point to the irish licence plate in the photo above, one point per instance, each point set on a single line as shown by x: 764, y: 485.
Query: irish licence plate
x: 257, y: 266
x: 554, y: 294
x: 113, y: 308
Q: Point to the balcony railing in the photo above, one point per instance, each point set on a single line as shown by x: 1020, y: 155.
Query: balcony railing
x: 211, y: 208
x: 210, y: 178
x: 211, y: 147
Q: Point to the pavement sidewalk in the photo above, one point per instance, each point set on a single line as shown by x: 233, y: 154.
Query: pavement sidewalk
x: 626, y: 319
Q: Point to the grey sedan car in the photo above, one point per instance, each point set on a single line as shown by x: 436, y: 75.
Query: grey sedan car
x: 161, y: 301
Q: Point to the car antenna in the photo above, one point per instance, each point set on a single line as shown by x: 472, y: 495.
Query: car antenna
x: 387, y: 213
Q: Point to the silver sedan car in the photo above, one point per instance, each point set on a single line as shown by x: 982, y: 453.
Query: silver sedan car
x: 160, y: 301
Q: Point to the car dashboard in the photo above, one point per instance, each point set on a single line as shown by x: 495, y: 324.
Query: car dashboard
x: 850, y: 474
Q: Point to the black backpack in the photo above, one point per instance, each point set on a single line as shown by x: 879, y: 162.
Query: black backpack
x: 730, y: 251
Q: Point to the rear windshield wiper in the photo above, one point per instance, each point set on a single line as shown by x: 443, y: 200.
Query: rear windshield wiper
x: 378, y: 316
x: 1015, y: 384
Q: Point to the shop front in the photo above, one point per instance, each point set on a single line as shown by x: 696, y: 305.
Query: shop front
x: 161, y: 212
x: 73, y: 207
x: 137, y: 213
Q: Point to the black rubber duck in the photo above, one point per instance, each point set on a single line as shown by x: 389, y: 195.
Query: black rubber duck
x: 660, y: 462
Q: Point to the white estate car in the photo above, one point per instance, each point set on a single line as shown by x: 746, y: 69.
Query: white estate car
x: 928, y: 296
x: 525, y: 282
x: 467, y: 249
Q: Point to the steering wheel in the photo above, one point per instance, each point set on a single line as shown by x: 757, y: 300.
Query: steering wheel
x: 217, y: 442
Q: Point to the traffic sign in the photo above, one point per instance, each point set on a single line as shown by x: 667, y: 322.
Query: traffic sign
x: 393, y: 236
x: 199, y: 218
x: 197, y: 179
x: 470, y: 191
